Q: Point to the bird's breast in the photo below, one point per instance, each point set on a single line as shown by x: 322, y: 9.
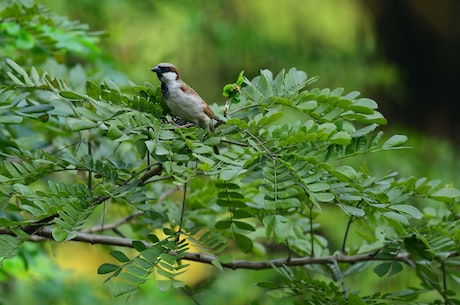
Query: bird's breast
x: 186, y: 106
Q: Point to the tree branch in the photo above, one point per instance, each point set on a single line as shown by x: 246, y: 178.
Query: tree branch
x: 46, y: 234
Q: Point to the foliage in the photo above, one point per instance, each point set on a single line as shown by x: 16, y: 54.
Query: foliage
x: 68, y: 150
x: 30, y: 29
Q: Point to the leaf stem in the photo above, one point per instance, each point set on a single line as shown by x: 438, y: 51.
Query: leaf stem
x: 345, y: 236
x: 182, y: 212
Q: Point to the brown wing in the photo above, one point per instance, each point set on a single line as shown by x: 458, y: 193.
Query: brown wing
x: 189, y: 90
x: 209, y: 112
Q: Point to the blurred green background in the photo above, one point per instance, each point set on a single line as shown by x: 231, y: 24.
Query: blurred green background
x: 403, y: 54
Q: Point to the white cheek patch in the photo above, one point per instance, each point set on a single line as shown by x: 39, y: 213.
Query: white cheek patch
x: 170, y: 76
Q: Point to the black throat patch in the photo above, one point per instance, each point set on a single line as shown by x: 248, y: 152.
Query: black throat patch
x: 164, y: 90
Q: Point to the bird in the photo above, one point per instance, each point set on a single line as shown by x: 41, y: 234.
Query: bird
x: 182, y: 100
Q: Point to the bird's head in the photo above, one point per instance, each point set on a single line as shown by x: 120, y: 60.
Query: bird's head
x: 166, y: 72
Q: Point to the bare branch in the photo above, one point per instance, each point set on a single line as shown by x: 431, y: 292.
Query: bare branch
x: 46, y: 233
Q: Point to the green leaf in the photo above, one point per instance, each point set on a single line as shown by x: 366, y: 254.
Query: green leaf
x: 269, y: 118
x: 244, y: 226
x: 396, y: 267
x: 352, y: 211
x: 294, y: 80
x: 78, y: 125
x: 8, y: 246
x: 240, y: 79
x: 340, y: 138
x: 143, y: 264
x: 237, y: 122
x: 106, y: 268
x: 119, y: 256
x: 318, y: 187
x: 394, y: 141
x: 446, y: 194
x: 151, y: 237
x: 223, y: 224
x: 16, y: 80
x: 282, y: 228
x: 168, y: 231
x: 165, y: 272
x: 239, y: 214
x: 88, y: 114
x: 160, y: 150
x: 382, y: 269
x: 216, y: 263
x: 10, y: 119
x: 203, y: 149
x: 267, y: 285
x: 345, y: 173
x: 352, y: 95
x: 71, y: 95
x: 120, y: 288
x: 408, y: 210
x: 170, y: 259
x: 114, y: 133
x: 212, y: 141
x: 243, y: 242
x: 92, y: 89
x: 397, y: 217
x: 354, y: 299
x: 308, y: 105
x: 37, y: 108
x: 323, y: 197
x: 364, y: 131
x: 139, y: 245
x: 364, y: 105
x: 17, y: 68
x: 164, y: 285
x: 60, y: 234
x: 229, y: 174
x: 152, y: 254
x: 376, y: 117
x: 418, y: 247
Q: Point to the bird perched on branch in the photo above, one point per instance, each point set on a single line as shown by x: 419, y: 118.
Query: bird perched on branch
x: 181, y: 99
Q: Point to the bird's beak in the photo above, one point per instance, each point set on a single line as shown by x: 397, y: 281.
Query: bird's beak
x: 155, y: 69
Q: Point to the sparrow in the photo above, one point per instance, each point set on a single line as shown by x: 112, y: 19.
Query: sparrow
x: 182, y: 100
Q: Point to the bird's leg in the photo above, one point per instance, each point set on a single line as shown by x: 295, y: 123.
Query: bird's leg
x: 180, y: 123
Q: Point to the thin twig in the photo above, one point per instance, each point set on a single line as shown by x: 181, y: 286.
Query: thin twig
x: 188, y: 292
x: 242, y: 108
x: 272, y: 156
x: 312, y: 235
x: 234, y: 142
x: 114, y: 225
x: 90, y: 173
x: 444, y: 282
x: 345, y: 237
x: 165, y: 194
x: 182, y: 210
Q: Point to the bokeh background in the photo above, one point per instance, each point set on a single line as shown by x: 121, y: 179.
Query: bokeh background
x: 405, y: 54
x: 402, y: 53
